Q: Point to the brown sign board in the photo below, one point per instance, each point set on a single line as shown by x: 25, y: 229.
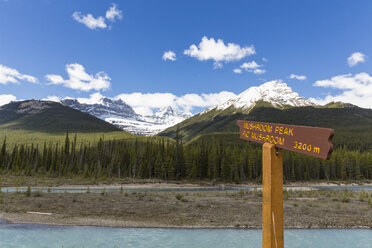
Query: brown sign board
x: 313, y: 141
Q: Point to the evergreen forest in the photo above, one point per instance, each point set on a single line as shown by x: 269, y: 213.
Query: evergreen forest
x: 213, y: 157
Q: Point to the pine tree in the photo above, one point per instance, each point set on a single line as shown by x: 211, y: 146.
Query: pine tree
x: 3, y: 154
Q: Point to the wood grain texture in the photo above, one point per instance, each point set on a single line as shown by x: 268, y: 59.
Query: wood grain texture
x: 272, y: 197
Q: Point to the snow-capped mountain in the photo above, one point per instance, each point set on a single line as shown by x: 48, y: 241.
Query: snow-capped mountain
x: 104, y: 108
x: 150, y: 125
x: 117, y: 112
x: 167, y: 115
x: 222, y: 117
x: 120, y: 114
x: 277, y: 93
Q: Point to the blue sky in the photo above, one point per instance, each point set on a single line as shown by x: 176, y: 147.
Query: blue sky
x: 121, y: 53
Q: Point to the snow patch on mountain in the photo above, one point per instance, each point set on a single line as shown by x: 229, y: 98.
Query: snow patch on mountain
x: 276, y: 92
x: 150, y: 125
x: 120, y: 114
x: 103, y: 108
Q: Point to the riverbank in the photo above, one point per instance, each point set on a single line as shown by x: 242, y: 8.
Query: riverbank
x: 302, y: 209
x: 185, y: 187
x: 81, y: 182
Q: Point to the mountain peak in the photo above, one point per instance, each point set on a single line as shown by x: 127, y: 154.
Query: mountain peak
x: 117, y: 112
x: 276, y: 92
x: 165, y: 111
x: 273, y: 83
x: 102, y: 107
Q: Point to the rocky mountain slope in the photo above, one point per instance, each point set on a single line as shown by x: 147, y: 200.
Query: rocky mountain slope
x: 276, y: 93
x: 274, y: 102
x: 120, y: 114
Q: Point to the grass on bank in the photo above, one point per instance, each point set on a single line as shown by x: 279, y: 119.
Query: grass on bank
x: 242, y: 209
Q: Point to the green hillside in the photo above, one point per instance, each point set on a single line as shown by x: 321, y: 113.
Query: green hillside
x: 49, y: 117
x: 39, y: 121
x: 353, y: 125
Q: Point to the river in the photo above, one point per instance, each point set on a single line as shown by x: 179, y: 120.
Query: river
x: 175, y: 189
x: 44, y: 236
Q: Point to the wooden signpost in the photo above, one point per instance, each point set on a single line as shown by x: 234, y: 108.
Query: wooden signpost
x: 312, y: 141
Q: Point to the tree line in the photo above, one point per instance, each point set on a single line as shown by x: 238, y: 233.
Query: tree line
x: 206, y: 159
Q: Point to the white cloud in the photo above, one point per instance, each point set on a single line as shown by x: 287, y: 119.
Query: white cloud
x: 80, y: 80
x: 264, y: 59
x: 89, y: 21
x: 210, y: 49
x: 52, y: 98
x: 259, y: 71
x: 298, y: 77
x: 252, y: 67
x: 356, y: 89
x: 113, y: 12
x: 217, y: 65
x: 4, y: 99
x: 147, y: 104
x: 237, y: 71
x: 10, y: 75
x: 189, y: 101
x: 356, y: 58
x: 94, y: 98
x: 169, y: 55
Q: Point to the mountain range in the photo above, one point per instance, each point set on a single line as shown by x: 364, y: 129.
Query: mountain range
x: 276, y: 102
x: 273, y: 101
x: 120, y: 114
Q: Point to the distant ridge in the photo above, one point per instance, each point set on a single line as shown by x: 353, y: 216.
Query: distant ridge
x: 273, y: 102
x: 120, y: 114
x: 48, y: 116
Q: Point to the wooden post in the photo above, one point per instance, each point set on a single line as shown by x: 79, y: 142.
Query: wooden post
x: 313, y: 141
x: 272, y: 197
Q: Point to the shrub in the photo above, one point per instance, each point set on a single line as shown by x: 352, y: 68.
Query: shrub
x: 285, y: 195
x: 363, y: 195
x: 345, y: 198
x: 37, y: 193
x: 28, y: 192
x: 180, y: 197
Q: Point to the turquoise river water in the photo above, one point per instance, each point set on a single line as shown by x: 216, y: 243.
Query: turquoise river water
x: 44, y: 236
